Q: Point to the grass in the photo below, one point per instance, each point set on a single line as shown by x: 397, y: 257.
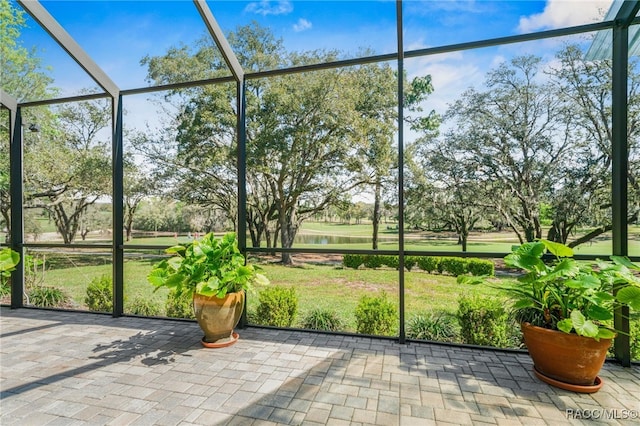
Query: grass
x: 318, y: 286
x: 418, y: 241
x: 479, y: 242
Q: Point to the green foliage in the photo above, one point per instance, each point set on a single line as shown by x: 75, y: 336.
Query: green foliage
x: 143, y: 306
x: 5, y: 288
x: 390, y: 261
x: 277, y: 306
x: 479, y: 267
x: 323, y: 319
x: 634, y: 328
x: 373, y: 261
x: 436, y: 326
x: 179, y: 305
x: 352, y: 260
x: 21, y: 72
x: 99, y: 296
x: 209, y: 266
x: 568, y: 295
x: 454, y: 265
x: 484, y: 321
x: 429, y: 263
x: 46, y: 296
x: 376, y: 315
x: 410, y: 262
x: 8, y: 261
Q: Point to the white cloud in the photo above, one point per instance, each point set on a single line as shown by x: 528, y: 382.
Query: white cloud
x: 565, y: 13
x: 267, y: 7
x: 302, y: 25
x: 452, y: 74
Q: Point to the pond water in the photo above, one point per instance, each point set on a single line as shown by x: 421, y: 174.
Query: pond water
x: 329, y: 239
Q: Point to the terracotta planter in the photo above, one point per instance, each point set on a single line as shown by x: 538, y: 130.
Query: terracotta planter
x: 566, y: 358
x: 218, y: 317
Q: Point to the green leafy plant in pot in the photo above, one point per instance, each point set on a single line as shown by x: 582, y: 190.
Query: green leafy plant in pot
x: 8, y: 261
x: 564, y: 308
x: 214, y: 271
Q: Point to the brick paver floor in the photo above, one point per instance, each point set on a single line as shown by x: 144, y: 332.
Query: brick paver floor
x: 62, y: 368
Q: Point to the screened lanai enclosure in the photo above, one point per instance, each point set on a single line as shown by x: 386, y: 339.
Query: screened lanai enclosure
x: 365, y: 153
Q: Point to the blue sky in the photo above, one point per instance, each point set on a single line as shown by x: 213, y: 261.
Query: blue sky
x: 117, y: 34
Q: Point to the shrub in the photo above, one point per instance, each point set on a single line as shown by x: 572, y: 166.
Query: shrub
x: 391, y: 261
x: 277, y: 306
x: 454, y: 265
x: 437, y: 326
x: 99, y: 295
x: 323, y: 319
x: 634, y: 328
x: 144, y: 306
x: 429, y: 263
x: 376, y: 315
x: 5, y: 288
x: 46, y: 296
x: 179, y: 306
x: 480, y: 267
x: 410, y: 262
x: 484, y: 321
x: 373, y: 261
x: 352, y: 260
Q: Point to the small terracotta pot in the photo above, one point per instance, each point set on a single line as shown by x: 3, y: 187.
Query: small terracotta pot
x: 218, y: 317
x: 563, y: 357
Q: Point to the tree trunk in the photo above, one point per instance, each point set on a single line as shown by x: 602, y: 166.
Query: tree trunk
x: 376, y: 214
x: 128, y: 228
x: 7, y: 220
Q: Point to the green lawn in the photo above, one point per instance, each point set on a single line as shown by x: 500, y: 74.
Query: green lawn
x: 317, y: 286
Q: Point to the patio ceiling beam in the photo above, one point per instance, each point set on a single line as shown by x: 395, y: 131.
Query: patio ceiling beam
x: 627, y: 13
x: 62, y: 37
x: 221, y: 41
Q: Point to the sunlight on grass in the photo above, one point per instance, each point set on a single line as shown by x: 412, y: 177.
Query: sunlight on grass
x: 317, y: 286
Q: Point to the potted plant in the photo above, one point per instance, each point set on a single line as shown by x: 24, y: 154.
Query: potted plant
x: 565, y: 307
x: 213, y: 271
x: 8, y: 261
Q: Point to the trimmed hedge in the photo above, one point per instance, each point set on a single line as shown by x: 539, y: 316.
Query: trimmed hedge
x: 179, y: 306
x: 449, y: 264
x: 99, y: 294
x: 278, y: 306
x: 479, y: 267
x: 373, y: 261
x: 410, y: 262
x: 376, y: 315
x: 454, y: 265
x: 429, y: 263
x: 485, y: 322
x: 352, y: 260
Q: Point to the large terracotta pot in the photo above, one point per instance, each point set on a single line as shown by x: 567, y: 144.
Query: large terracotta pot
x: 218, y: 317
x: 566, y: 358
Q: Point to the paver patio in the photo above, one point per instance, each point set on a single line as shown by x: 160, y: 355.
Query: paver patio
x: 64, y: 368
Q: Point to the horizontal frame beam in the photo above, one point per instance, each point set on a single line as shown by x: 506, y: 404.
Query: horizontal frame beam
x: 354, y: 61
